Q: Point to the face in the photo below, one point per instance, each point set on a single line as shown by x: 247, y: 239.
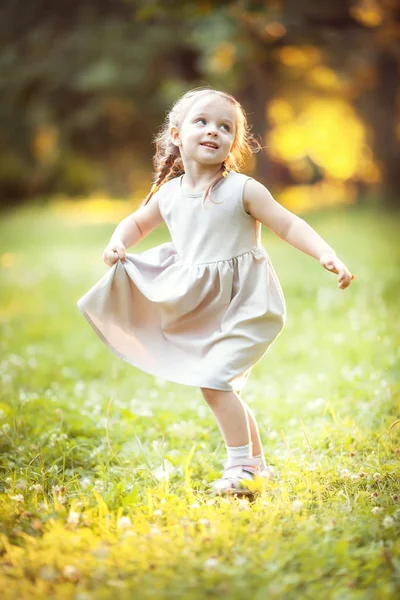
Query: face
x: 207, y: 132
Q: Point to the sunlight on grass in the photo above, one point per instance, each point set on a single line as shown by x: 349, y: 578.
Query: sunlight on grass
x: 105, y: 470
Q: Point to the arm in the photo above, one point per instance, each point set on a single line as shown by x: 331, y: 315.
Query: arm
x: 132, y: 229
x: 260, y: 204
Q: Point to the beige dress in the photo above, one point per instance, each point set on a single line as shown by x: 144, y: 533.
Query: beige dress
x: 199, y: 310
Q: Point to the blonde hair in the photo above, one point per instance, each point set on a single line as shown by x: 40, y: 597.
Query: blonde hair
x: 167, y: 160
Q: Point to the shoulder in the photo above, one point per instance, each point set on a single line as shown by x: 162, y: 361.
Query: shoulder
x: 238, y: 177
x: 254, y: 192
x: 166, y: 191
x: 262, y: 206
x: 170, y: 183
x: 238, y: 181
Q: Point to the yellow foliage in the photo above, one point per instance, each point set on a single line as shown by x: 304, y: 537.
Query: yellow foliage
x: 287, y: 141
x: 302, y: 57
x: 95, y: 209
x: 334, y: 136
x: 223, y: 58
x: 324, y: 78
x: 367, y: 12
x: 326, y: 193
x: 279, y: 111
x: 327, y: 130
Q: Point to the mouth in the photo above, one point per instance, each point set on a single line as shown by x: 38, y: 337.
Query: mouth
x: 212, y: 145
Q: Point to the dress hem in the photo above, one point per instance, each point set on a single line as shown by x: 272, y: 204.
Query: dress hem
x: 148, y: 371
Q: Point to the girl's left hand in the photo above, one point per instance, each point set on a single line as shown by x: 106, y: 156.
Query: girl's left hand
x: 331, y: 263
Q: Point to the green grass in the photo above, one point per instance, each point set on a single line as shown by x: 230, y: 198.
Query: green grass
x: 87, y: 439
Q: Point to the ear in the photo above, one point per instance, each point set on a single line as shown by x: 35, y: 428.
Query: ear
x: 174, y: 136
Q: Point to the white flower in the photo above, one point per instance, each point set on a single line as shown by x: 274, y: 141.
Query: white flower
x: 124, y: 523
x: 99, y: 485
x: 158, y: 512
x: 162, y: 473
x: 73, y: 518
x: 243, y: 504
x: 36, y: 487
x: 70, y: 572
x: 6, y: 427
x: 297, y: 505
x: 17, y: 498
x: 21, y: 484
x: 85, y: 482
x: 376, y: 476
x: 204, y: 521
x: 376, y: 510
x: 195, y: 505
x: 211, y: 563
x: 154, y: 530
x: 388, y: 522
x: 345, y: 473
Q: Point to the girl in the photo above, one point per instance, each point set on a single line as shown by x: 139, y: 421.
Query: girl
x: 203, y: 309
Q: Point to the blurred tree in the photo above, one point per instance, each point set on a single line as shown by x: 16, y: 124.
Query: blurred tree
x: 86, y: 83
x: 359, y: 39
x: 82, y: 87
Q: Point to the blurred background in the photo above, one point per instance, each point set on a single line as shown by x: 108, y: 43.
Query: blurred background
x: 86, y: 84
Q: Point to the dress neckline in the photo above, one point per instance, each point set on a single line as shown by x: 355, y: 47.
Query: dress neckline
x: 199, y: 194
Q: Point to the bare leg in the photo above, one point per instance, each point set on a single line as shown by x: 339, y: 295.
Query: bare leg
x: 235, y: 419
x: 231, y: 416
x: 254, y: 432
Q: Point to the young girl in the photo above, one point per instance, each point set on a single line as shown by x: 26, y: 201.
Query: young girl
x: 202, y: 310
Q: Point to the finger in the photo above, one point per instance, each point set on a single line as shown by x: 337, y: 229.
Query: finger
x: 111, y: 257
x: 121, y: 252
x: 330, y: 265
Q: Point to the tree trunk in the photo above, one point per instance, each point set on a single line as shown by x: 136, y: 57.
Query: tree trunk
x: 255, y: 95
x: 378, y: 108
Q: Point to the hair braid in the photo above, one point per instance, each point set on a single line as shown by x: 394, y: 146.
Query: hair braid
x: 167, y: 167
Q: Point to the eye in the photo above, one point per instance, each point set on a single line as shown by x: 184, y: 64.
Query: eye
x: 226, y: 126
x: 198, y: 120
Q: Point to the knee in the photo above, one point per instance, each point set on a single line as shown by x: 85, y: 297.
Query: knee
x: 210, y: 395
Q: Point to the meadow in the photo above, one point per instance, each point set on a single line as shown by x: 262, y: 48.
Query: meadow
x: 104, y: 470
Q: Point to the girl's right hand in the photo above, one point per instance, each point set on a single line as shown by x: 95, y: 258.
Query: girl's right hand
x: 113, y: 252
x: 331, y: 263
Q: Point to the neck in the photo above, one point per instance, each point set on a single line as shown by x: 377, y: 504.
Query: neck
x: 199, y: 178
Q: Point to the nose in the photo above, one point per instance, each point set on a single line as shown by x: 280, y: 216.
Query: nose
x: 212, y: 130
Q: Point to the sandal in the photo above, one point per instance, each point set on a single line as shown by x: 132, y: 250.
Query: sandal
x: 233, y: 481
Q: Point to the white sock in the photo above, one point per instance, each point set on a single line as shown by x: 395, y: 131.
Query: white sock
x: 240, y: 455
x: 261, y: 459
